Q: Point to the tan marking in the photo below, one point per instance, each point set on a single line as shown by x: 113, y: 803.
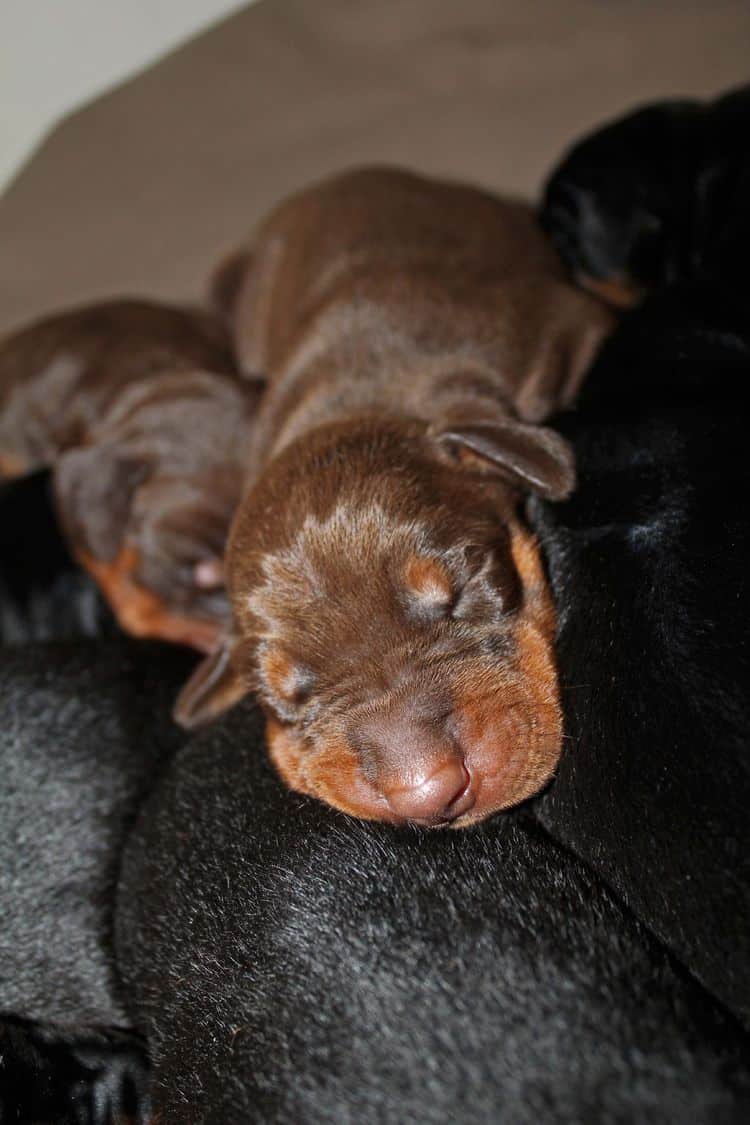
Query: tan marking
x: 11, y: 465
x: 617, y: 291
x: 429, y: 580
x: 139, y: 611
x: 527, y: 559
x: 332, y: 775
x: 512, y: 715
x: 280, y: 673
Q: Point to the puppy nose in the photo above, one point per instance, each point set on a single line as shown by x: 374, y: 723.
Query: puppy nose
x: 433, y: 798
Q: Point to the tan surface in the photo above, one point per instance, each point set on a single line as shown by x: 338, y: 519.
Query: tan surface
x: 142, y: 191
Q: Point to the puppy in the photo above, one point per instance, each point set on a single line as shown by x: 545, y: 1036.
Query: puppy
x: 137, y: 409
x: 289, y: 965
x: 658, y: 196
x: 390, y: 608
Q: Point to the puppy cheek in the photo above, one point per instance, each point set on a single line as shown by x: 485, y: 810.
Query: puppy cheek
x: 332, y: 774
x: 286, y: 751
x: 513, y: 732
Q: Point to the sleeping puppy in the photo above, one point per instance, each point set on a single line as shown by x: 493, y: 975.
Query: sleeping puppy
x: 390, y: 607
x: 81, y: 743
x: 288, y: 964
x: 650, y: 567
x: 137, y: 409
x: 659, y: 195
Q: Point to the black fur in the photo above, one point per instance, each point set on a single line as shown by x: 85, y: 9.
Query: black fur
x: 43, y: 594
x: 70, y: 1076
x: 658, y: 196
x: 84, y: 734
x: 650, y: 564
x: 290, y: 964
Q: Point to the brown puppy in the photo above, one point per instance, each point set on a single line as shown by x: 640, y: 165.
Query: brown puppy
x: 137, y: 408
x: 389, y: 607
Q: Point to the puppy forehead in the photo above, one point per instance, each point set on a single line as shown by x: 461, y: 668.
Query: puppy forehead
x: 328, y: 558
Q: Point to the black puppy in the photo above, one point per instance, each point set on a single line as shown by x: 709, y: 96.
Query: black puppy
x: 650, y: 565
x: 660, y: 195
x: 290, y: 964
x: 81, y: 740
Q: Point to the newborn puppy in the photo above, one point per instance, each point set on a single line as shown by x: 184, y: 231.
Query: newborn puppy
x: 660, y: 195
x: 390, y: 608
x: 137, y: 409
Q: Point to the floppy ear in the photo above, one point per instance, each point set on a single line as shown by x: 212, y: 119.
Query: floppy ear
x: 94, y: 490
x: 214, y: 687
x: 226, y: 281
x: 534, y: 458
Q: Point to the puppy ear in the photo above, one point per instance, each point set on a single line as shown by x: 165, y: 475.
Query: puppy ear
x: 226, y: 281
x: 214, y: 687
x: 533, y: 458
x: 94, y: 489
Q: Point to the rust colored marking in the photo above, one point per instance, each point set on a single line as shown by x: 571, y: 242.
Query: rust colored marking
x: 332, y: 775
x: 11, y: 465
x: 527, y: 559
x: 617, y: 291
x: 280, y: 672
x: 139, y: 611
x: 428, y: 580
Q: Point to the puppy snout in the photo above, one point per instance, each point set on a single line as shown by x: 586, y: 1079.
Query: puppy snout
x: 416, y: 764
x: 432, y: 796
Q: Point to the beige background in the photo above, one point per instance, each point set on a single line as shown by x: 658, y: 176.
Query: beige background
x: 54, y: 54
x: 141, y: 192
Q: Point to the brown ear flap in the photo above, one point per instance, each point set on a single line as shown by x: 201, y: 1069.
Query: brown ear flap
x: 94, y: 490
x: 534, y: 458
x: 214, y: 687
x: 226, y: 282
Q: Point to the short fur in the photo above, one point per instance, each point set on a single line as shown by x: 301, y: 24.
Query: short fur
x: 413, y: 333
x: 137, y: 408
x: 650, y: 564
x: 289, y: 964
x: 658, y: 196
x: 654, y: 550
x: 80, y: 743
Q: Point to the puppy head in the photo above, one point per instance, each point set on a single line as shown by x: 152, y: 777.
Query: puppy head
x: 144, y: 536
x: 619, y: 207
x: 393, y: 617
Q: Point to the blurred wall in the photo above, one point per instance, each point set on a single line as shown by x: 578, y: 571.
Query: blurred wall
x: 56, y: 54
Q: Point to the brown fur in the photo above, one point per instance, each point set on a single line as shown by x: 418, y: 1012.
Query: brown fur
x: 137, y: 408
x: 389, y: 608
x: 140, y: 612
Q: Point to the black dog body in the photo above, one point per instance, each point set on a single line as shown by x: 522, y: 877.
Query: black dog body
x: 290, y: 964
x: 650, y: 563
x: 80, y: 744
